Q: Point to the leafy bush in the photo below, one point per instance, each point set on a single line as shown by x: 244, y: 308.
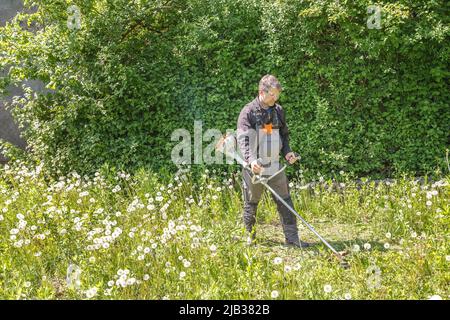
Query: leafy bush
x: 373, y: 102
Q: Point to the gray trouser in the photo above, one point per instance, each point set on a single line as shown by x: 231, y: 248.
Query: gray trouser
x: 252, y: 195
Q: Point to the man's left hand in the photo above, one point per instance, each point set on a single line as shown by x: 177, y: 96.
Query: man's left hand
x: 291, y: 158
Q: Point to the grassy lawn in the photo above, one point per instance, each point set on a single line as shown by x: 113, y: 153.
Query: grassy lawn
x: 139, y: 237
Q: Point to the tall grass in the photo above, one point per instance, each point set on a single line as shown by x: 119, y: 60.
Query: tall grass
x: 116, y: 236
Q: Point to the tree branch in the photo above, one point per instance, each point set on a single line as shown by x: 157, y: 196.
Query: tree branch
x: 140, y: 22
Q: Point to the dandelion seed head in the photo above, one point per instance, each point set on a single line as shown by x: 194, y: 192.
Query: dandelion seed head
x: 91, y: 293
x: 277, y: 260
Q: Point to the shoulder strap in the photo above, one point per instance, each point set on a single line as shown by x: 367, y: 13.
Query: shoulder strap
x: 279, y: 113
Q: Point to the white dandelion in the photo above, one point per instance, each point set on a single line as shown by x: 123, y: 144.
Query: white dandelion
x: 277, y: 260
x: 91, y: 292
x: 187, y: 264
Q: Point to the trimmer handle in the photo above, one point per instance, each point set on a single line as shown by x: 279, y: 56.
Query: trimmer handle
x: 298, y: 159
x: 257, y: 178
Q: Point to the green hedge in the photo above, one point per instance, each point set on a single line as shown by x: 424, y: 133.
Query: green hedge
x: 373, y: 102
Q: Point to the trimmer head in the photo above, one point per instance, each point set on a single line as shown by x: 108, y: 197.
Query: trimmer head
x: 342, y: 261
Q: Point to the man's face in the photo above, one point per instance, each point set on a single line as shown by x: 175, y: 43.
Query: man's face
x: 269, y: 98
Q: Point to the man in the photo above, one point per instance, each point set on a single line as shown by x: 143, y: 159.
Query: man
x: 262, y: 133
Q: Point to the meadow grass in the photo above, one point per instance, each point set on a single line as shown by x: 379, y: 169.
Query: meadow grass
x: 139, y: 237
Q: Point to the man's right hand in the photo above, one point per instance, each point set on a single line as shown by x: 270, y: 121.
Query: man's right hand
x: 256, y: 168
